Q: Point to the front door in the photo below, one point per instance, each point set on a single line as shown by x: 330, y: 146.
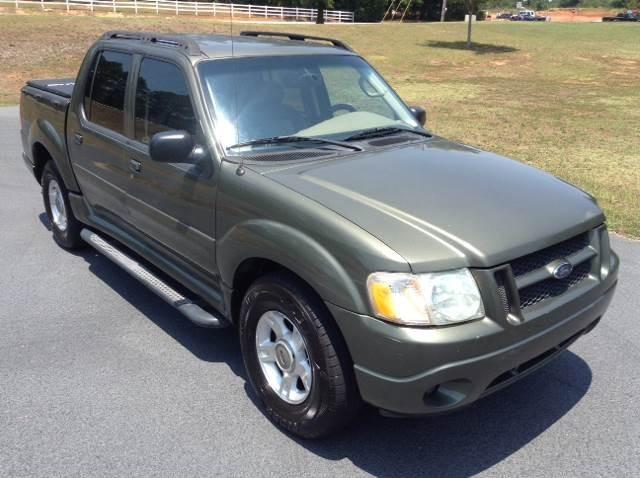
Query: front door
x: 173, y: 204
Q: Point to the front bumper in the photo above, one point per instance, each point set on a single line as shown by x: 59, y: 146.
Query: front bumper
x: 422, y: 371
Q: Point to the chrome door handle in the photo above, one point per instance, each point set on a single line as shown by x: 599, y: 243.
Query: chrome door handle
x: 135, y: 166
x: 77, y: 138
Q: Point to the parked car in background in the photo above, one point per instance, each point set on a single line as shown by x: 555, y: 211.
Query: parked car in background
x: 628, y: 16
x: 527, y: 16
x: 504, y: 16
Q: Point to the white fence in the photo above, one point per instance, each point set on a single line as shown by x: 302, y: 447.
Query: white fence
x: 176, y: 7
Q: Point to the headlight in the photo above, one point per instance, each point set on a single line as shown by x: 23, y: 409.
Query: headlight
x: 439, y: 298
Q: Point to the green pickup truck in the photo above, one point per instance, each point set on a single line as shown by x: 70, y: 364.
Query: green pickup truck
x: 276, y: 183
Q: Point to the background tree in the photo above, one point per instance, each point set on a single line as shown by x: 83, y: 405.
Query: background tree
x: 321, y: 5
x: 431, y: 10
x: 419, y: 10
x: 472, y: 7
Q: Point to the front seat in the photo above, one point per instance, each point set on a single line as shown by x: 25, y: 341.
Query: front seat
x: 265, y: 114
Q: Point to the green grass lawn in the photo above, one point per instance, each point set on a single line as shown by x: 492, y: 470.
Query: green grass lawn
x: 562, y: 97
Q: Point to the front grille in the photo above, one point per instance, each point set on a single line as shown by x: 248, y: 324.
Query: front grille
x: 543, y: 257
x: 553, y: 287
x: 547, y: 288
x: 503, y: 293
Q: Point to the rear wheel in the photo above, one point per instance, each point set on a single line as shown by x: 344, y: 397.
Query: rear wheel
x: 64, y: 225
x: 295, y: 358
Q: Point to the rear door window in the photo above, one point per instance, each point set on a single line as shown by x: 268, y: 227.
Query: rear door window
x: 162, y: 101
x: 108, y: 92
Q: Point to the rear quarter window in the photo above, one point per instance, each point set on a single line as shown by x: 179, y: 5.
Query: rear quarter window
x: 108, y: 90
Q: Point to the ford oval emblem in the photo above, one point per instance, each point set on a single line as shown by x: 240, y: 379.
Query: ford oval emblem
x: 562, y: 270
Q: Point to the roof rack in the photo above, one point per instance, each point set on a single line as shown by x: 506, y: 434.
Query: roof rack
x: 297, y: 37
x: 190, y: 46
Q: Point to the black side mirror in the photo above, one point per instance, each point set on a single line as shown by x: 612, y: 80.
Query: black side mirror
x: 171, y: 147
x: 419, y: 114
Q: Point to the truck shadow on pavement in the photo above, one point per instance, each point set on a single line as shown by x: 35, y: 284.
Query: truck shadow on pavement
x: 459, y: 444
x: 210, y: 345
x: 219, y: 345
x: 468, y: 441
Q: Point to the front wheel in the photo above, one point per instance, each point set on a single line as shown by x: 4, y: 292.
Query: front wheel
x: 295, y: 358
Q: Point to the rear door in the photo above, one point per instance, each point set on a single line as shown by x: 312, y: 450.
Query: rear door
x: 96, y: 136
x: 173, y: 204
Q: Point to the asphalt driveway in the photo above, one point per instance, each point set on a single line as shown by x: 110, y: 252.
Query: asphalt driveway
x: 98, y: 377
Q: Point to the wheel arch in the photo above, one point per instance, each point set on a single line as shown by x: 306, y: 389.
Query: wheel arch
x: 266, y: 246
x: 41, y: 157
x: 249, y: 271
x: 48, y: 144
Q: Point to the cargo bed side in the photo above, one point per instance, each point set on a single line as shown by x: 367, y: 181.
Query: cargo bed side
x: 43, y: 116
x: 61, y: 87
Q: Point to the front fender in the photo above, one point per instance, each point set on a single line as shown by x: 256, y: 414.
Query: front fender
x: 289, y: 247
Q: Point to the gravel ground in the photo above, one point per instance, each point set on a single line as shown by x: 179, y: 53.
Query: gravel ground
x: 98, y: 377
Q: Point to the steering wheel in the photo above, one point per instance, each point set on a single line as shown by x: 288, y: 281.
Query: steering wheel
x: 343, y: 106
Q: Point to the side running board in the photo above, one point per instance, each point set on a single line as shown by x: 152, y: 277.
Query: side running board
x: 193, y: 312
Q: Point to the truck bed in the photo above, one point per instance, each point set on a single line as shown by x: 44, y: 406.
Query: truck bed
x: 61, y: 87
x: 43, y: 110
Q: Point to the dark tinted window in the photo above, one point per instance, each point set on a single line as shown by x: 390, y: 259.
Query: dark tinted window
x: 108, y: 92
x: 162, y: 100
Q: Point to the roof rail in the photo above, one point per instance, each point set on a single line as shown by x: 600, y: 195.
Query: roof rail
x: 297, y: 37
x: 190, y: 46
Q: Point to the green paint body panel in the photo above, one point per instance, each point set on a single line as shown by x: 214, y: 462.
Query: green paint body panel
x: 428, y: 205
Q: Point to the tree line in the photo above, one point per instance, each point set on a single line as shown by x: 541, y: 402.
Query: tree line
x: 430, y: 10
x: 374, y: 10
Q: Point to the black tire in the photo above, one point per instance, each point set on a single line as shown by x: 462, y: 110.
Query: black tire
x: 333, y: 400
x: 69, y: 237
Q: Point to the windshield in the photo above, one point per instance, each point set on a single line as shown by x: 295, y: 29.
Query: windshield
x: 309, y: 96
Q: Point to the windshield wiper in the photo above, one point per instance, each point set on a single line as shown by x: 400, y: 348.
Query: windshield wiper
x: 294, y: 139
x: 384, y: 131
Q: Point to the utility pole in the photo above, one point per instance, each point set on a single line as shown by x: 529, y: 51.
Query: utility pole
x: 444, y: 10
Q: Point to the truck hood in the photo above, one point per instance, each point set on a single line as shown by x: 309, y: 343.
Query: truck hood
x: 443, y: 205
